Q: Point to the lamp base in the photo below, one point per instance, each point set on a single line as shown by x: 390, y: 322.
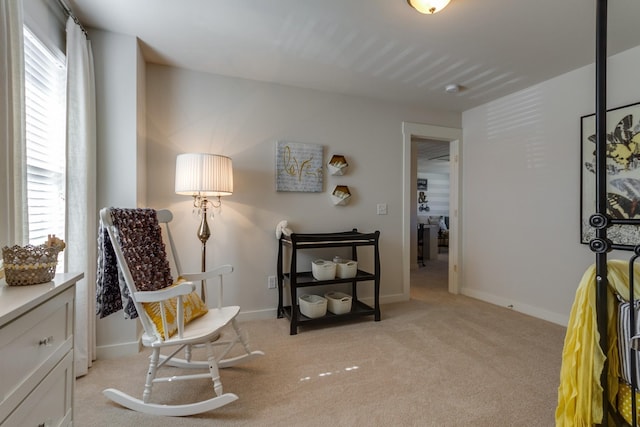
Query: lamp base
x: 203, y: 235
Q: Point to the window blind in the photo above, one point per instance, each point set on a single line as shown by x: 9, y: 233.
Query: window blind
x: 45, y: 112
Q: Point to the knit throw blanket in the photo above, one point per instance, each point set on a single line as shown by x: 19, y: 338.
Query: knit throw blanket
x: 140, y: 237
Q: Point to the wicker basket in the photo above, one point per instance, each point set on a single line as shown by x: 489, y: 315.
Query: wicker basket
x: 29, y: 265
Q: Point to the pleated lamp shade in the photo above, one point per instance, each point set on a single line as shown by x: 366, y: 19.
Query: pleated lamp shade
x: 204, y: 174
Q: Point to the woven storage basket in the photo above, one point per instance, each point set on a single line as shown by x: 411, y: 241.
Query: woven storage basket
x: 29, y: 265
x: 338, y: 302
x: 313, y: 306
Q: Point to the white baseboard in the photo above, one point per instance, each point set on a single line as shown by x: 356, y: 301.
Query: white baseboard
x: 389, y: 299
x: 385, y: 299
x: 118, y: 350
x: 529, y: 310
x: 269, y: 313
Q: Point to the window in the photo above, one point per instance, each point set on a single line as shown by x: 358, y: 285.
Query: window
x: 45, y: 105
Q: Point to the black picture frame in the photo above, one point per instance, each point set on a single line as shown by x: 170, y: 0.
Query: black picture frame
x: 623, y: 173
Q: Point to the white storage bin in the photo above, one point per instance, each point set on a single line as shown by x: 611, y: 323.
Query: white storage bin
x: 345, y: 268
x: 338, y: 302
x: 313, y: 306
x: 323, y: 270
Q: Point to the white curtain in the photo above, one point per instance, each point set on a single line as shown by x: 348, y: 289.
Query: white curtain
x: 13, y: 177
x: 81, y: 221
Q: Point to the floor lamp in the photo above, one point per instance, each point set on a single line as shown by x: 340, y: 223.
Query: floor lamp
x: 203, y: 175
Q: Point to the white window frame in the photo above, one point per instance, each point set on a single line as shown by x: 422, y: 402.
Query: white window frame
x: 45, y: 116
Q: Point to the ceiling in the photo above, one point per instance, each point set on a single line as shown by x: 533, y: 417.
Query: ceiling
x: 380, y: 49
x: 429, y: 151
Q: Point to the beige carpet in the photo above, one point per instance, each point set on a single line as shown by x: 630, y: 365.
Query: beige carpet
x: 437, y: 360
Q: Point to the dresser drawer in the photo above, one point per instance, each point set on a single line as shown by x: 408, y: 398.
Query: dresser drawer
x: 31, y: 345
x: 50, y: 402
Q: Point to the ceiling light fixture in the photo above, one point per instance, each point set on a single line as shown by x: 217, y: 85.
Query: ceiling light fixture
x: 428, y: 7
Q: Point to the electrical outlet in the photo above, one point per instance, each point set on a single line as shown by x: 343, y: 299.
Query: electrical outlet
x: 382, y: 208
x: 271, y: 282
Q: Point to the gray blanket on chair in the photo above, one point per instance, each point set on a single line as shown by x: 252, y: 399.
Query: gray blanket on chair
x: 111, y: 290
x: 140, y: 238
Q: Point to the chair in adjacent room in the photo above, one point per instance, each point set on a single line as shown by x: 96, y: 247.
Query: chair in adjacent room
x: 421, y: 244
x: 172, y: 314
x: 443, y: 234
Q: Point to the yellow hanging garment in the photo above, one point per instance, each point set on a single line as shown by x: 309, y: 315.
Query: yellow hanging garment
x: 580, y: 391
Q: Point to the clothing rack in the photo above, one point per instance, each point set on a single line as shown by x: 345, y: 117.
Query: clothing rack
x: 601, y: 221
x: 600, y: 245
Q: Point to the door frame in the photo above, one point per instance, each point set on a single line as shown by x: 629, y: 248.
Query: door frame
x: 454, y: 137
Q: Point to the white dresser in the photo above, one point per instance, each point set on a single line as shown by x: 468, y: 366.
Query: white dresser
x: 36, y: 352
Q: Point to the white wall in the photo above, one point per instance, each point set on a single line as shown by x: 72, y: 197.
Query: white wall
x: 437, y: 175
x: 190, y: 111
x: 47, y: 21
x: 521, y: 190
x: 141, y: 128
x: 121, y: 162
x: 520, y: 216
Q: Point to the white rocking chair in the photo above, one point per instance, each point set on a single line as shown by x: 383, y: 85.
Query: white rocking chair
x: 202, y: 331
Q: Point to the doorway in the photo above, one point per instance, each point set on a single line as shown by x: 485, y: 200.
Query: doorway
x: 432, y: 170
x: 453, y: 136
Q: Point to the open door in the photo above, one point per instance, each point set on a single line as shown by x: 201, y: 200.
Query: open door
x: 454, y: 137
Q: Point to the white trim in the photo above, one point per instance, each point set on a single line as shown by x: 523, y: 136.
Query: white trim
x: 390, y: 299
x: 118, y: 350
x: 559, y: 319
x: 270, y: 313
x: 454, y: 136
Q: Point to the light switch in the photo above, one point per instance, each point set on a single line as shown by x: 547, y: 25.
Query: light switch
x: 382, y: 208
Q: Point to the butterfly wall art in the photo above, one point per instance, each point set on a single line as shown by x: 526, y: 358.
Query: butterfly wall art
x: 622, y: 172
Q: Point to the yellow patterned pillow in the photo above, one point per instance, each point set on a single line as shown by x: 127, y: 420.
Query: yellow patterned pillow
x: 194, y: 307
x: 624, y: 402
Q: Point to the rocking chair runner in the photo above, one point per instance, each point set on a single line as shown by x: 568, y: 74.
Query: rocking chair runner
x: 171, y: 302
